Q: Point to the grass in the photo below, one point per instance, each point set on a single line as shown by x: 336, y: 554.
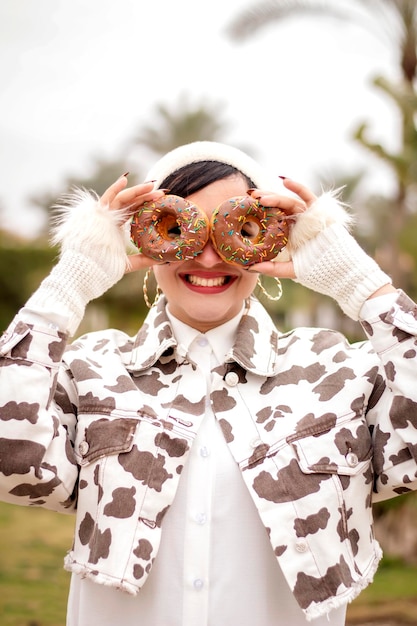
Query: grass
x: 34, y: 585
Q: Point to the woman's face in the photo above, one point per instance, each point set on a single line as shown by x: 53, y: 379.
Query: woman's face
x: 205, y: 291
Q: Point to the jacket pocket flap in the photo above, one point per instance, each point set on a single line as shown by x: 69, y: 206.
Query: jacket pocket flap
x: 344, y: 449
x: 106, y: 436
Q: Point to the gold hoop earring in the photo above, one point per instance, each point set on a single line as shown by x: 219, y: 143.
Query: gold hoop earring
x: 158, y: 293
x: 268, y: 295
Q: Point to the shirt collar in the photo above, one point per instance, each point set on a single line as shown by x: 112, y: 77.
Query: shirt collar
x: 221, y: 338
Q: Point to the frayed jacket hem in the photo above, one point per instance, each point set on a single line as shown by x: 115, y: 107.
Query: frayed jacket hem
x: 336, y: 602
x: 100, y: 578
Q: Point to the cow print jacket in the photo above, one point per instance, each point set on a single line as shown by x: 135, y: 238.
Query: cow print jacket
x: 317, y: 427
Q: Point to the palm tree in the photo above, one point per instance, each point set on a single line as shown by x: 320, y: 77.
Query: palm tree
x: 395, y: 20
x: 174, y: 124
x: 182, y: 122
x: 253, y: 19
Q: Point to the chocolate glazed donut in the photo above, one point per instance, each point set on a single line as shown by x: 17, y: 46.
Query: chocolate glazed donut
x: 245, y: 232
x: 169, y: 229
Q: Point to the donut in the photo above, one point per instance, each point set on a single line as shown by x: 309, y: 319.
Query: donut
x: 245, y: 232
x: 169, y: 229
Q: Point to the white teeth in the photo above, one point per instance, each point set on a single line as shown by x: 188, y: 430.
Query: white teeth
x: 206, y: 282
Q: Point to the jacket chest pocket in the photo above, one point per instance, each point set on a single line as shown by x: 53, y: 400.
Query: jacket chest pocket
x: 345, y: 448
x: 137, y: 453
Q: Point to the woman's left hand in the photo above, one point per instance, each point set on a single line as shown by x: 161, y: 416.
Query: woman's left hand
x: 290, y: 205
x: 323, y: 255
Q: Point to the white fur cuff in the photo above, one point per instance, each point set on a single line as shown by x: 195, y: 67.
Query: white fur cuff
x: 326, y: 210
x: 82, y: 221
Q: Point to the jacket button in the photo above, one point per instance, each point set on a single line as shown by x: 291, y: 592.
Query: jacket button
x: 83, y: 448
x: 301, y: 546
x: 232, y: 379
x: 352, y: 459
x: 257, y: 441
x: 198, y: 584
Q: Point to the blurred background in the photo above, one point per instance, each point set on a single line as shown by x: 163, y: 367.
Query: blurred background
x: 323, y: 92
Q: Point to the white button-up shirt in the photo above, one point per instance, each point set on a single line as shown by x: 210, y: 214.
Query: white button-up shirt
x: 215, y: 565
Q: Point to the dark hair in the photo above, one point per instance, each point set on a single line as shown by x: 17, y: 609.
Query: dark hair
x: 194, y: 176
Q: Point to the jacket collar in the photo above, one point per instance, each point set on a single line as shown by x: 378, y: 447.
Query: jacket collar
x: 255, y: 348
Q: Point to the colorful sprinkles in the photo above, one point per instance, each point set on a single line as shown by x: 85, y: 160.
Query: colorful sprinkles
x: 173, y: 229
x: 169, y: 229
x: 233, y: 245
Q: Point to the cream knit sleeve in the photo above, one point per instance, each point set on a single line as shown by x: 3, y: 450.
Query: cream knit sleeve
x: 92, y: 257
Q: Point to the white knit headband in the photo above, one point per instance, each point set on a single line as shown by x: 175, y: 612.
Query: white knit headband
x: 207, y: 151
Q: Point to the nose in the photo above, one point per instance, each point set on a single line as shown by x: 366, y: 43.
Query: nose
x: 208, y: 257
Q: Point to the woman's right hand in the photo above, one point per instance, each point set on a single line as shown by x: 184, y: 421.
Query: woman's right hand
x: 92, y: 238
x: 119, y: 197
x: 127, y: 200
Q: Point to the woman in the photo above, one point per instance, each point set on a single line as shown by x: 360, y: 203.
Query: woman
x: 221, y: 472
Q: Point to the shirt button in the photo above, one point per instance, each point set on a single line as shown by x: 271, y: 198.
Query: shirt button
x: 352, y: 459
x: 301, y: 546
x: 256, y: 442
x: 232, y: 379
x: 204, y: 452
x: 202, y: 341
x: 198, y: 584
x: 200, y: 518
x: 83, y: 448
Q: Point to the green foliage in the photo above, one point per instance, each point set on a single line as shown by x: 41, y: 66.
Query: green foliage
x: 21, y: 269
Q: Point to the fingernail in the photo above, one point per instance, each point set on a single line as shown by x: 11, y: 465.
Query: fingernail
x: 249, y: 191
x: 164, y: 190
x: 149, y: 181
x: 126, y: 174
x: 283, y: 177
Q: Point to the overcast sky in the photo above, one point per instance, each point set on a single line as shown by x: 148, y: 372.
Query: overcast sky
x: 78, y: 77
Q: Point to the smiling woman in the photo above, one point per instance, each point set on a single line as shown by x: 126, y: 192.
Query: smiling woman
x: 207, y: 274
x: 210, y: 441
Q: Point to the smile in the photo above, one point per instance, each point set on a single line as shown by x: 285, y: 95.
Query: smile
x: 217, y: 281
x: 208, y: 283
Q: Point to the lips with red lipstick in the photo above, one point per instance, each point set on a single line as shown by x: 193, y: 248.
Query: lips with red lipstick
x: 208, y: 282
